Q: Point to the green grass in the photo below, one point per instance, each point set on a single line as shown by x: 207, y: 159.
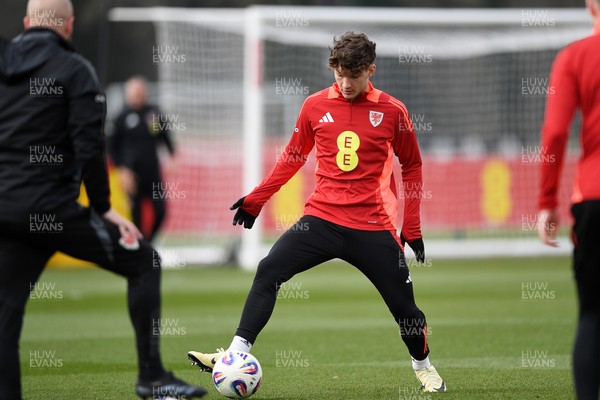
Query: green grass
x: 334, y: 340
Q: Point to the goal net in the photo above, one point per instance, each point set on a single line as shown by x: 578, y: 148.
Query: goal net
x: 474, y: 82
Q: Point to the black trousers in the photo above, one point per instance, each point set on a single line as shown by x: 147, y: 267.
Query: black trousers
x: 586, y: 263
x: 25, y: 248
x: 311, y: 241
x: 151, y: 189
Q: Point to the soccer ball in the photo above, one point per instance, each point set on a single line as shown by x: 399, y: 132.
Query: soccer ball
x: 237, y: 375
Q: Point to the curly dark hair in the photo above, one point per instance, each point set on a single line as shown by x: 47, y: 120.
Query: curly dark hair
x: 352, y: 51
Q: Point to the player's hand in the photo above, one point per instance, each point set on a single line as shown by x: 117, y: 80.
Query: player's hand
x: 128, y: 181
x: 417, y: 246
x: 241, y: 216
x: 129, y: 232
x: 547, y: 226
x: 173, y: 165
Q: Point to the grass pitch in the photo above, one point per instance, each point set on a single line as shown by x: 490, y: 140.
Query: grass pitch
x: 499, y: 329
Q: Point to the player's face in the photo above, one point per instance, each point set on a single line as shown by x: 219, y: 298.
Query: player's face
x: 136, y: 94
x: 351, y: 85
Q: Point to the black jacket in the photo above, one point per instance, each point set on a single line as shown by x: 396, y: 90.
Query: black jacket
x: 51, y: 119
x: 135, y: 140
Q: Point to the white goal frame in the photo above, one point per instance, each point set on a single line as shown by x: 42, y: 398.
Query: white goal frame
x: 251, y: 21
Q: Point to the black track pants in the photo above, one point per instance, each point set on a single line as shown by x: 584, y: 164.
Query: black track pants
x: 311, y: 241
x: 24, y: 250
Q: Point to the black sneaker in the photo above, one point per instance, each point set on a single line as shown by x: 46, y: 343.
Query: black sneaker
x: 168, y: 387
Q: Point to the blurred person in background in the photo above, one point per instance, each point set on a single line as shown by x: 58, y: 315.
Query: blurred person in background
x: 575, y: 78
x: 51, y: 119
x: 138, y: 132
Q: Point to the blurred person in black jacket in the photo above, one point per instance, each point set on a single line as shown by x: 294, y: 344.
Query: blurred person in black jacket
x: 51, y: 116
x: 138, y: 132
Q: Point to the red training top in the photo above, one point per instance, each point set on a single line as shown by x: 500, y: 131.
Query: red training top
x: 355, y: 146
x: 575, y: 80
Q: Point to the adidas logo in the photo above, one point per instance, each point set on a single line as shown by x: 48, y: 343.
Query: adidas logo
x: 326, y: 118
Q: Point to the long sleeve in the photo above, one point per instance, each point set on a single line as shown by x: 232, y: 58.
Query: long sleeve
x: 115, y: 141
x: 87, y: 107
x: 290, y: 160
x: 165, y: 136
x: 561, y: 104
x: 407, y: 150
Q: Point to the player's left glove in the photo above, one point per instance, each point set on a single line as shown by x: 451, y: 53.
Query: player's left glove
x: 417, y: 246
x: 242, y: 217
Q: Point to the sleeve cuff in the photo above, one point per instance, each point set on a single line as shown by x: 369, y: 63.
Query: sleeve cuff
x: 101, y: 207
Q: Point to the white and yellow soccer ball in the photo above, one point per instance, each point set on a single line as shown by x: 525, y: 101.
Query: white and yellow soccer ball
x: 237, y: 375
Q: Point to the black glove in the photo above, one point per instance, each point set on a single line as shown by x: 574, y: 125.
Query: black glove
x: 241, y: 216
x: 417, y: 246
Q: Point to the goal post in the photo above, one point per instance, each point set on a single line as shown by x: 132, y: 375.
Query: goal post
x: 250, y: 251
x: 473, y: 80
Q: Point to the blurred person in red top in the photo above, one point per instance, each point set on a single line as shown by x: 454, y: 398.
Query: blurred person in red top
x: 575, y: 78
x: 357, y: 131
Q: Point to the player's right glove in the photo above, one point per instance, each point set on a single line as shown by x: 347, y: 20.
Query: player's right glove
x: 242, y: 217
x: 417, y: 246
